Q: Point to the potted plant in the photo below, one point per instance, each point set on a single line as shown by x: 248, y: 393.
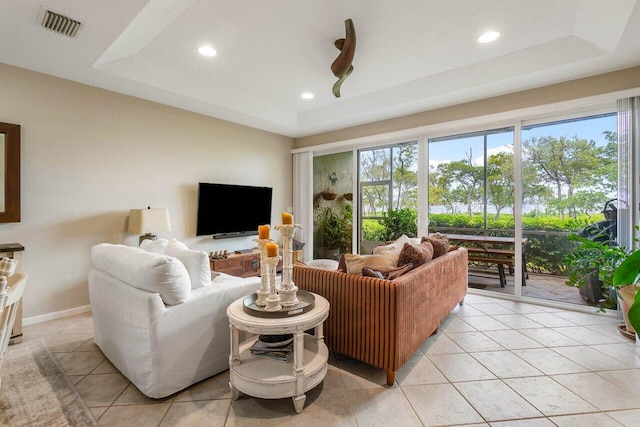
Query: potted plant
x: 334, y: 231
x: 593, y: 264
x: 634, y: 318
x: 626, y: 278
x: 328, y: 194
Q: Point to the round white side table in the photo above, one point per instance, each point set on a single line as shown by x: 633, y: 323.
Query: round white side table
x: 271, y: 379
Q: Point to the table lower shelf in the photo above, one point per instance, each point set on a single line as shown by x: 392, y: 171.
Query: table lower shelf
x: 272, y: 379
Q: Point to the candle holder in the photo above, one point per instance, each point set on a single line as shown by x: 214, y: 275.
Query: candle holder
x: 263, y: 292
x: 273, y: 300
x: 288, y: 289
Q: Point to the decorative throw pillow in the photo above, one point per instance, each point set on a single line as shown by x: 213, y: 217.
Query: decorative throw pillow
x: 415, y: 254
x: 342, y: 265
x: 440, y: 244
x: 387, y: 274
x: 175, y: 244
x: 396, y: 245
x: 383, y: 261
x: 398, y: 271
x: 157, y: 246
x: 366, y: 271
x: 196, y: 262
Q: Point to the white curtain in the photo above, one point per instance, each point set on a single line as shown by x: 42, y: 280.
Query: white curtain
x: 628, y: 176
x: 303, y: 200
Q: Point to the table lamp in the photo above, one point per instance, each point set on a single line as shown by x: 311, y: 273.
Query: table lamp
x: 149, y: 221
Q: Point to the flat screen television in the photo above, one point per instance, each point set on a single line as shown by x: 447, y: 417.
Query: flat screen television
x: 226, y: 210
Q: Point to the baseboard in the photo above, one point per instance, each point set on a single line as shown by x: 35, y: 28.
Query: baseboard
x: 55, y: 315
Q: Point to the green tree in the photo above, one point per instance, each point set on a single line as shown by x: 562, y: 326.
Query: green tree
x: 375, y: 168
x: 389, y: 178
x: 566, y: 164
x: 405, y: 176
x: 464, y: 181
x: 500, y: 181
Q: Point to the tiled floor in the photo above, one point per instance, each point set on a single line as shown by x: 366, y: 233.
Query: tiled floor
x: 494, y: 362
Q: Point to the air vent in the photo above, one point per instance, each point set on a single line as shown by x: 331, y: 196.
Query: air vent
x: 58, y: 23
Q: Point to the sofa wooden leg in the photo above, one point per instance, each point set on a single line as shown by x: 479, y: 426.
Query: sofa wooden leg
x: 391, y: 376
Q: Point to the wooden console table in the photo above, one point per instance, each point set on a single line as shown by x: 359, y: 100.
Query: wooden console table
x: 241, y: 265
x: 14, y: 250
x: 271, y: 379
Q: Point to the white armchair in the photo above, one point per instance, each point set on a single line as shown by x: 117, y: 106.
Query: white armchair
x: 160, y: 332
x: 11, y: 290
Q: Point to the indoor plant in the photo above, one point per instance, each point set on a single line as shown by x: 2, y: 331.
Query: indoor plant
x: 593, y: 264
x: 334, y: 230
x: 626, y: 278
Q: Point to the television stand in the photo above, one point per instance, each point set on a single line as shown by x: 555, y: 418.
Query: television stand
x: 241, y: 265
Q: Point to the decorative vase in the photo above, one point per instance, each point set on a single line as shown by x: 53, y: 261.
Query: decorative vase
x: 627, y: 294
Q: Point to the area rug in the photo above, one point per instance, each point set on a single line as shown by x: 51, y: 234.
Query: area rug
x: 36, y: 392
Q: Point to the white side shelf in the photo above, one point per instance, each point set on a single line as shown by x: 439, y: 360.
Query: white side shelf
x: 272, y: 379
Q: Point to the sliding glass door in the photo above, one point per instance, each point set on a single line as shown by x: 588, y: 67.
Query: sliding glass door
x: 519, y: 197
x: 471, y: 199
x: 569, y: 189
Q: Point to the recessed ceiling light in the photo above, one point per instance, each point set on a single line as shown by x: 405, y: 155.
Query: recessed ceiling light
x: 489, y: 36
x: 307, y: 95
x: 207, y: 51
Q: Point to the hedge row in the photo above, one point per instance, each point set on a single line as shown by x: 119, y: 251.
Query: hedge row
x: 547, y: 242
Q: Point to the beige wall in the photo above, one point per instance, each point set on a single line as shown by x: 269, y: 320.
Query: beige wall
x: 575, y: 89
x: 90, y: 155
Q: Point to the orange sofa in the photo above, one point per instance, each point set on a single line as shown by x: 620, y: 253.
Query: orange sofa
x: 383, y: 322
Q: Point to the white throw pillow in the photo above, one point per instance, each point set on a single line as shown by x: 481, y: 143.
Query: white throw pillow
x: 396, y: 246
x: 149, y: 271
x: 157, y: 246
x: 175, y: 244
x: 383, y: 261
x: 196, y: 263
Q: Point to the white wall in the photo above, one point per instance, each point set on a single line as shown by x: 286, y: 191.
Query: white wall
x: 90, y: 155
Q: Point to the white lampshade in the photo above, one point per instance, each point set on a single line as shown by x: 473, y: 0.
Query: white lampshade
x: 142, y: 221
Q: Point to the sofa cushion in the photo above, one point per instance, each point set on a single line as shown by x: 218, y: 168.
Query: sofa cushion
x: 174, y: 244
x: 149, y: 271
x: 382, y: 261
x: 196, y: 262
x: 366, y: 271
x: 395, y: 246
x: 415, y: 254
x: 391, y: 274
x: 157, y: 246
x: 440, y: 244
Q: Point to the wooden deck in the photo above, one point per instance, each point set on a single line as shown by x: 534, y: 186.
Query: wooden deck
x: 541, y: 286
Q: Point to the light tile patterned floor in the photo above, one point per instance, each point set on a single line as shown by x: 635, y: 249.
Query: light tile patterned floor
x: 494, y: 362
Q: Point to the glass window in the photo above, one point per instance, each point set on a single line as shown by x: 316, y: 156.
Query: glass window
x: 388, y: 182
